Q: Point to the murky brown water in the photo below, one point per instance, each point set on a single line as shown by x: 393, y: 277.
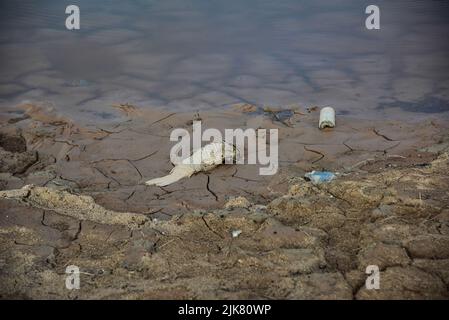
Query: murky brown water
x: 196, y: 55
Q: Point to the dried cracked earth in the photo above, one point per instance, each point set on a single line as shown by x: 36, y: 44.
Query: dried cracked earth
x: 72, y: 194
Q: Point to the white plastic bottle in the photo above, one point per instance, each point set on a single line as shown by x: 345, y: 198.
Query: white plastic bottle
x: 327, y: 118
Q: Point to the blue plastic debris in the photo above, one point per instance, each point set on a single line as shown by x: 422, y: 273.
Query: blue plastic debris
x: 317, y: 177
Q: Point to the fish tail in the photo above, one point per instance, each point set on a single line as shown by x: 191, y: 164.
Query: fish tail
x: 175, y: 175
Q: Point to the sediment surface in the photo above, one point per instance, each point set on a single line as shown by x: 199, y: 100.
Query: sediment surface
x: 73, y: 194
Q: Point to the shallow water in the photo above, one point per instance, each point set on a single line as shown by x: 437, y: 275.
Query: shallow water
x: 197, y: 54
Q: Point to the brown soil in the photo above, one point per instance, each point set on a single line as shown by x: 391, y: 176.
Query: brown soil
x: 229, y: 233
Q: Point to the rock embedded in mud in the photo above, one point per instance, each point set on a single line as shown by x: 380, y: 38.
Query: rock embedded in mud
x: 392, y: 233
x: 299, y: 261
x: 238, y: 202
x: 356, y: 279
x: 315, y: 211
x: 382, y: 211
x: 302, y: 190
x: 273, y: 234
x: 325, y: 286
x: 429, y: 246
x: 291, y: 210
x: 16, y: 163
x: 443, y: 217
x: 382, y: 255
x: 9, y: 181
x: 439, y: 267
x: 358, y: 193
x: 259, y: 209
x: 340, y: 259
x: 15, y: 144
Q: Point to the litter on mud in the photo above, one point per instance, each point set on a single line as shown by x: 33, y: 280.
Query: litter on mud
x: 236, y: 233
x: 317, y: 177
x: 327, y: 118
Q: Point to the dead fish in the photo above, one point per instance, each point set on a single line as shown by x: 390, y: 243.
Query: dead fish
x: 203, y: 159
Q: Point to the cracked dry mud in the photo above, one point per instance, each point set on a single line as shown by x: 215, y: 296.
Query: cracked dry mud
x: 72, y: 194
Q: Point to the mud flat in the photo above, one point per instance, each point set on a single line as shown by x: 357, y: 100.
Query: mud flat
x: 72, y: 193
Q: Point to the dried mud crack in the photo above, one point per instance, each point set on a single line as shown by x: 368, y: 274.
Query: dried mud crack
x: 311, y: 243
x: 75, y: 206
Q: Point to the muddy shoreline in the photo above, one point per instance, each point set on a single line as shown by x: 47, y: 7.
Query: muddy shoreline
x: 87, y: 206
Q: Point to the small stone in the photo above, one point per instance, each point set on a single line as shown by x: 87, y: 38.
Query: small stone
x: 300, y: 261
x: 430, y: 246
x: 406, y: 283
x: 439, y: 267
x: 259, y: 209
x: 322, y: 286
x: 238, y: 202
x: 245, y: 107
x: 236, y: 233
x: 382, y: 255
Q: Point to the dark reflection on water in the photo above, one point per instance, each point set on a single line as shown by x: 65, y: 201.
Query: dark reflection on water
x: 197, y: 54
x: 427, y: 105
